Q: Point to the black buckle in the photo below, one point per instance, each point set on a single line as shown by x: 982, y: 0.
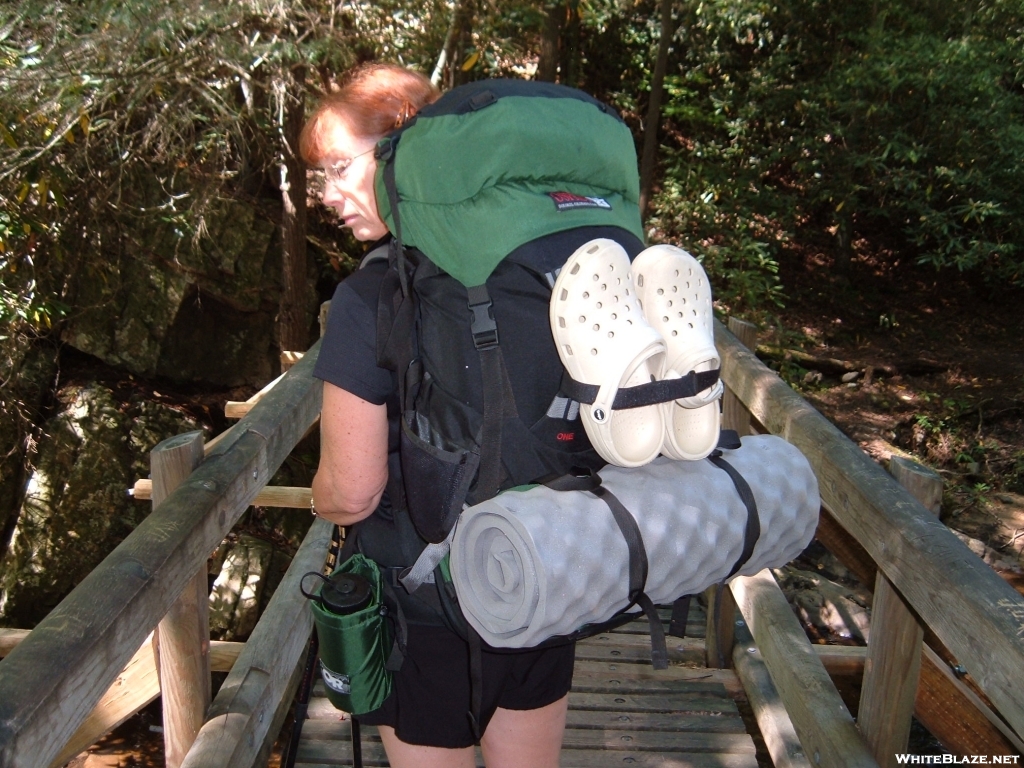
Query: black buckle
x: 481, y: 100
x: 483, y: 327
x: 385, y: 148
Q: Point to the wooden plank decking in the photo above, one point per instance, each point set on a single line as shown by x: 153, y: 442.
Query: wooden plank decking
x: 621, y: 711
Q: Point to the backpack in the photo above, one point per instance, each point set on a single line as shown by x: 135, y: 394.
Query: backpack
x: 487, y: 192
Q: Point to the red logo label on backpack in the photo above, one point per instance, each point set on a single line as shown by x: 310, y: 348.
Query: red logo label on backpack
x: 567, y: 201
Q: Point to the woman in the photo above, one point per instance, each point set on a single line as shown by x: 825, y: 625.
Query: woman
x: 423, y: 723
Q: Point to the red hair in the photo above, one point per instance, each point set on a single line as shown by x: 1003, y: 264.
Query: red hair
x: 373, y: 100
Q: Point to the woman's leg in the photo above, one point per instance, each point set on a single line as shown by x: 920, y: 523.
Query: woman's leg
x: 525, y: 737
x: 402, y: 755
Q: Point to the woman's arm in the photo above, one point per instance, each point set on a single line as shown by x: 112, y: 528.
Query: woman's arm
x: 353, y: 457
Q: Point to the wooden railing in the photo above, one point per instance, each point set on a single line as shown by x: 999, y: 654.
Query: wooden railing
x: 54, y: 677
x: 52, y: 680
x: 926, y: 576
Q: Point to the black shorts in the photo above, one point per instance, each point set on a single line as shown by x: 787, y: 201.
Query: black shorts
x: 430, y: 698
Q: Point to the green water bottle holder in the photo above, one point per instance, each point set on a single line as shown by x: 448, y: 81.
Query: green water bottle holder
x: 354, y: 647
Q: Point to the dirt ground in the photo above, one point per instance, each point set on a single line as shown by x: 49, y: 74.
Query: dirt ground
x: 946, y: 384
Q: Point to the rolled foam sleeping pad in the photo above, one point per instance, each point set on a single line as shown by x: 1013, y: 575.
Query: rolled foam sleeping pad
x: 529, y: 565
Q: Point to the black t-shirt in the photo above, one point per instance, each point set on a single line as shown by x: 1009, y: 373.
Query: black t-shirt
x: 348, y: 353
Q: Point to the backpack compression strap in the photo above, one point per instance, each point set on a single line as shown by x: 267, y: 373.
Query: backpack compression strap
x: 499, y: 402
x: 641, y: 395
x: 729, y: 439
x: 585, y: 480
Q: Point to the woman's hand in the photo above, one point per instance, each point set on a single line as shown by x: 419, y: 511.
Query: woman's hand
x: 353, y: 457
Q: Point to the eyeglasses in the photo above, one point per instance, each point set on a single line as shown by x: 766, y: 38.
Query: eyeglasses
x: 336, y: 173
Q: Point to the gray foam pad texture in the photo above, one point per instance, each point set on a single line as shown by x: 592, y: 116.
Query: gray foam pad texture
x: 533, y: 564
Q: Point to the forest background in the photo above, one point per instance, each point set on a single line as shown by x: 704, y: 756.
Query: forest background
x: 850, y: 175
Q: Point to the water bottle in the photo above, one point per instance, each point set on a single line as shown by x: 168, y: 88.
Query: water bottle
x: 355, y: 637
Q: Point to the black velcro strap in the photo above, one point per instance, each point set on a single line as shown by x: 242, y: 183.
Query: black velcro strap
x: 499, y: 405
x: 578, y: 479
x: 680, y: 614
x: 586, y: 480
x: 398, y: 650
x: 642, y: 395
x: 659, y: 649
x: 634, y: 541
x: 476, y: 683
x: 392, y: 189
x: 729, y: 440
x: 753, y: 530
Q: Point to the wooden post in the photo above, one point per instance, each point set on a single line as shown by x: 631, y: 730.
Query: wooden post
x: 893, y: 666
x: 721, y: 613
x: 183, y: 635
x: 718, y: 640
x: 734, y: 414
x: 325, y: 308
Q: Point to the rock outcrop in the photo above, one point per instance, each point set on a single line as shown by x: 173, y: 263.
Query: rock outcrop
x: 76, y: 508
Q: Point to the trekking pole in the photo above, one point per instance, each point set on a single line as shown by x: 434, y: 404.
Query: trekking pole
x: 302, y: 701
x: 357, y: 745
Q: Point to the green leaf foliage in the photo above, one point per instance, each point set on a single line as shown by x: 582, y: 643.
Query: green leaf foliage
x: 894, y: 129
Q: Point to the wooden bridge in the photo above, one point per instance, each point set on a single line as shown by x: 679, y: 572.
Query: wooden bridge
x: 946, y: 642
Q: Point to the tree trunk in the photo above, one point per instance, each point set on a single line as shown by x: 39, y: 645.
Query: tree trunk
x: 293, y: 322
x: 457, y: 40
x: 547, y: 62
x: 465, y: 15
x: 654, y: 108
x: 570, y: 59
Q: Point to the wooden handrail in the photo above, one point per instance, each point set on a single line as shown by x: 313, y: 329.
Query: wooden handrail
x: 826, y: 729
x: 255, y: 697
x: 968, y: 606
x: 98, y: 627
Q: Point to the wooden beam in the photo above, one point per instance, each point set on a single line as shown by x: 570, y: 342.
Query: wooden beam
x: 946, y: 705
x: 284, y: 496
x: 954, y: 714
x: 9, y: 639
x: 772, y: 719
x: 735, y: 414
x: 222, y: 652
x: 846, y: 548
x: 842, y: 660
x: 893, y: 666
x: 98, y: 627
x: 239, y: 722
x: 288, y: 359
x: 948, y: 708
x: 720, y: 627
x: 183, y: 635
x: 826, y: 729
x: 975, y: 613
x: 136, y: 686
x: 325, y: 309
x: 235, y: 409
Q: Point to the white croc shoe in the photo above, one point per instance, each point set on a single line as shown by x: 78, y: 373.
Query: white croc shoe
x: 676, y: 298
x: 604, y: 340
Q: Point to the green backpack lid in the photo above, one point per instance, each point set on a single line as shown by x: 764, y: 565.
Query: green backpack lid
x: 498, y: 163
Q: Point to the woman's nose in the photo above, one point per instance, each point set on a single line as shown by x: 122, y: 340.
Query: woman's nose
x: 332, y: 197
